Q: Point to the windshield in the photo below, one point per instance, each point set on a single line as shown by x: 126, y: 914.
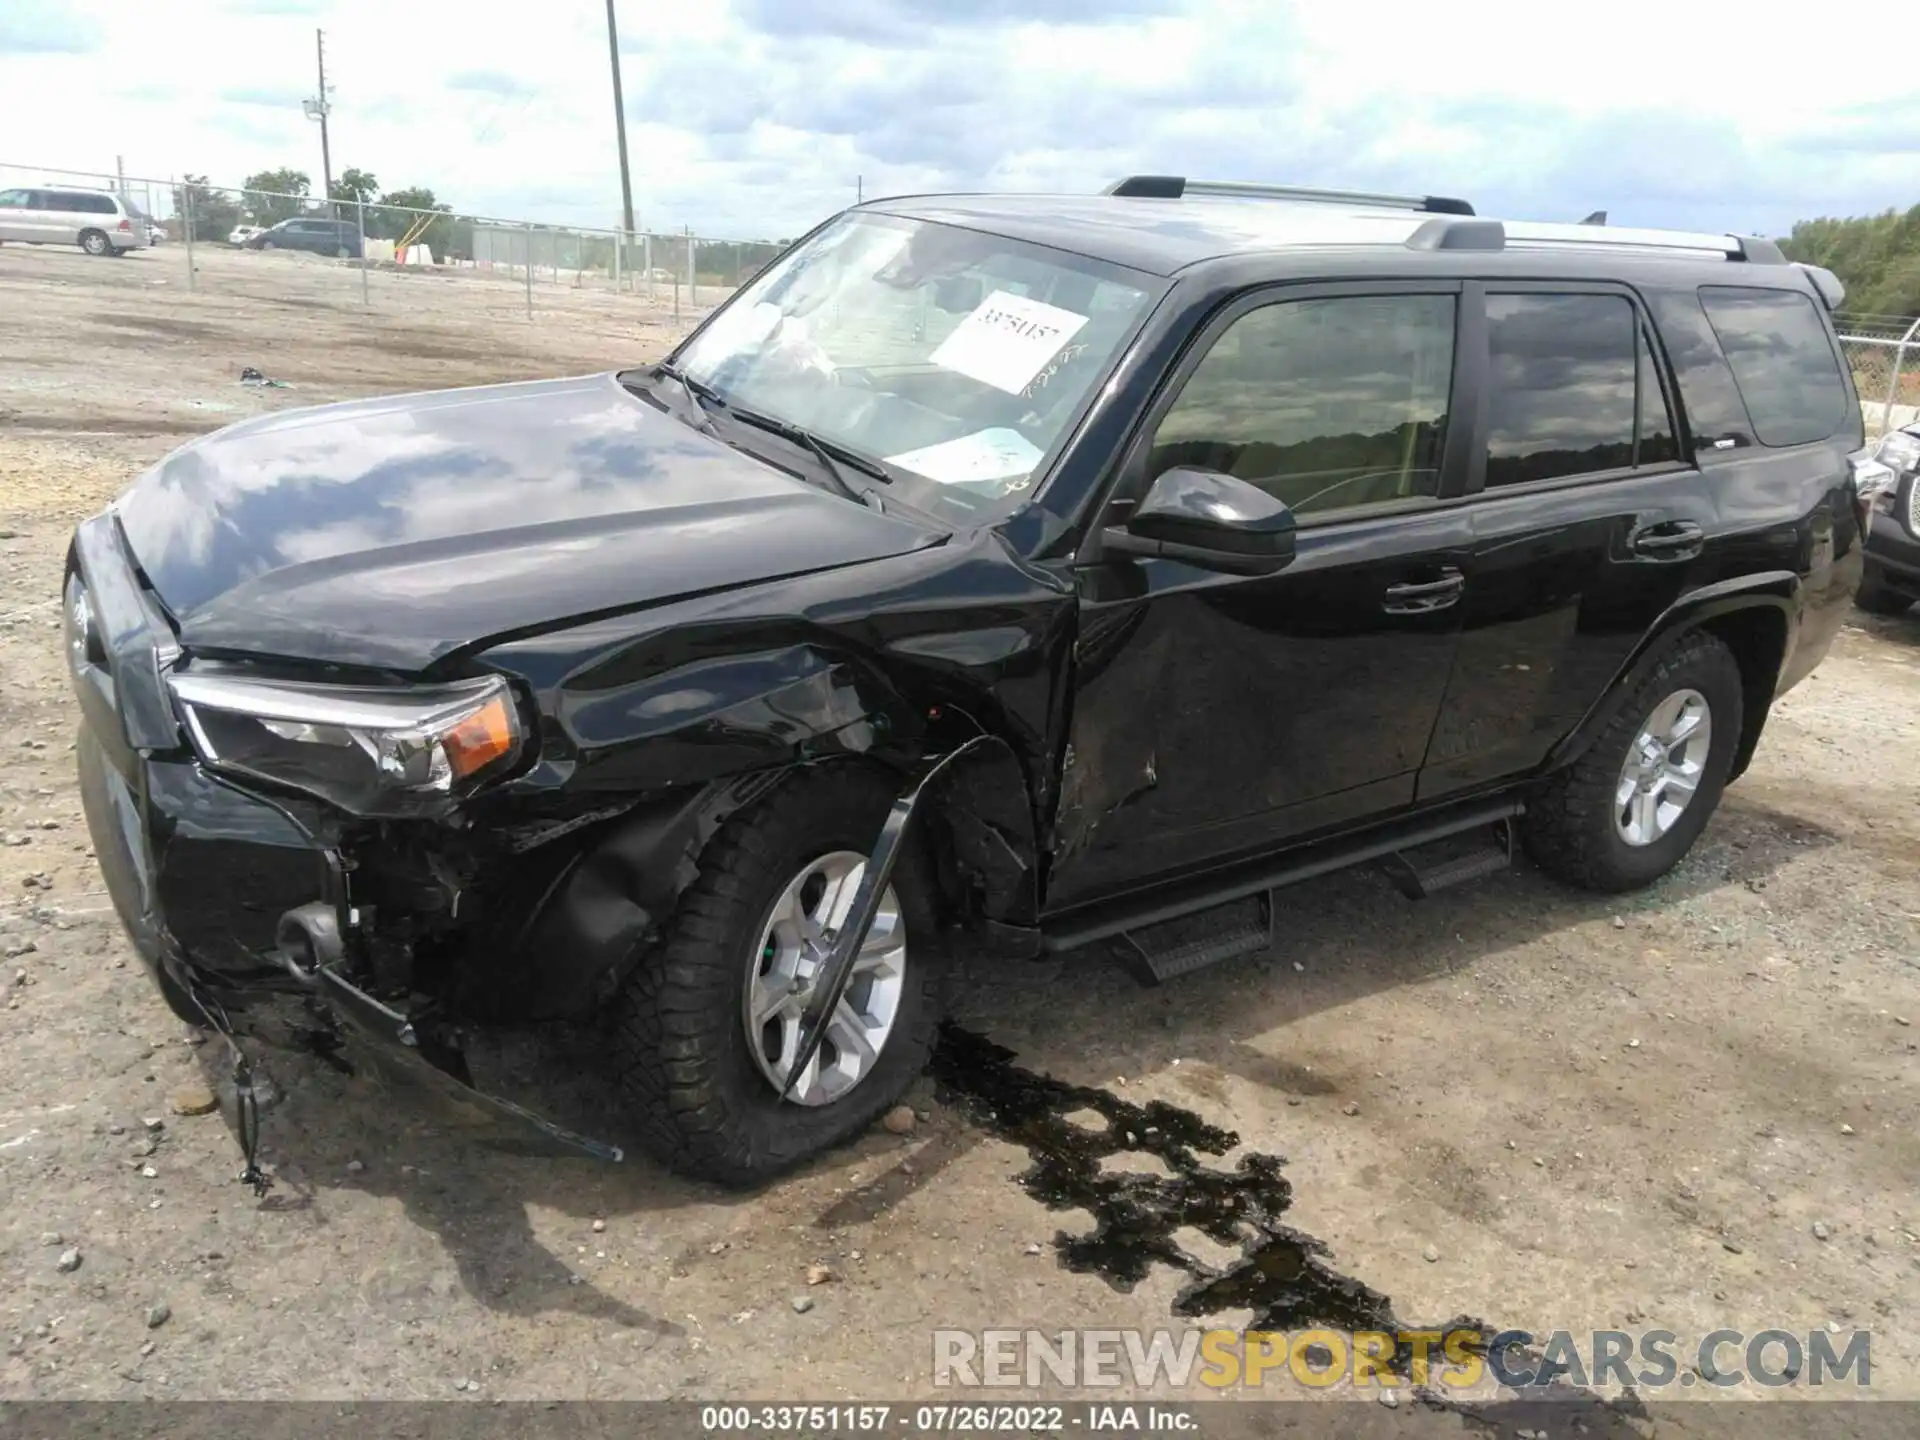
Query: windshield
x: 956, y: 358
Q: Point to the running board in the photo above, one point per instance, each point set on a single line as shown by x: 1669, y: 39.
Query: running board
x: 1440, y: 865
x: 1134, y: 914
x: 1173, y: 948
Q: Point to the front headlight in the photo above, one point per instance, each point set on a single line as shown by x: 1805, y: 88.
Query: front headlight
x: 1899, y: 452
x: 369, y: 749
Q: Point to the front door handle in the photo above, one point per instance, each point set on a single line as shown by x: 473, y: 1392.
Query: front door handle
x: 1416, y: 597
x: 1668, y: 540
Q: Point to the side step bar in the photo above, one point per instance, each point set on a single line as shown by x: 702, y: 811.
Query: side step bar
x: 1417, y: 876
x: 1178, y: 950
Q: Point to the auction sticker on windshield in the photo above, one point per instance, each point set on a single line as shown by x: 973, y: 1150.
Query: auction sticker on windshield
x: 996, y: 454
x: 1007, y: 340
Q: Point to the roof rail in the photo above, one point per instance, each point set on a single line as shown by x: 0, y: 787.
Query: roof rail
x: 1173, y: 187
x: 1452, y: 233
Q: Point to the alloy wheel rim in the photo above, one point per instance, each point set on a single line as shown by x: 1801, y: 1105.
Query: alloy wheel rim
x: 1663, y: 769
x: 786, y: 963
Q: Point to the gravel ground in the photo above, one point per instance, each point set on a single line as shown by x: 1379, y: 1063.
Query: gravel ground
x: 1692, y: 1108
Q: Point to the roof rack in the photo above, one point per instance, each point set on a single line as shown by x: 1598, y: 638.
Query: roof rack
x: 1462, y: 234
x: 1173, y: 187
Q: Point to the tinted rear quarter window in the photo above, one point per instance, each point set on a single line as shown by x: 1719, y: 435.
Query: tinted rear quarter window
x: 1716, y: 415
x: 1782, y: 362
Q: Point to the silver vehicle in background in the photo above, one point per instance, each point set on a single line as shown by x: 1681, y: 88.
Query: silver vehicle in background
x: 98, y: 221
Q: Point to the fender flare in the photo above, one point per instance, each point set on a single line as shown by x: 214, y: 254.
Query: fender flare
x: 1775, y: 592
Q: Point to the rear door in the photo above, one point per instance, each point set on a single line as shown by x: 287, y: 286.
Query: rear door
x: 66, y: 215
x: 1587, y: 523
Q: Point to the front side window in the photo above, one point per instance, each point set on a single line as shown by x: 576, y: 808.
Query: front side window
x: 955, y: 357
x: 14, y: 199
x: 1781, y: 361
x: 1326, y: 404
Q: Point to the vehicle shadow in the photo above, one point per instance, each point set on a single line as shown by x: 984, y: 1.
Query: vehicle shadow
x: 1352, y: 933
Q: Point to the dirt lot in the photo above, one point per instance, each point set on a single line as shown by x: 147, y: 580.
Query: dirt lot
x: 1693, y: 1108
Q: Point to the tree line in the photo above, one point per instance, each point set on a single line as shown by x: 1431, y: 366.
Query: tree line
x: 1877, y: 258
x: 269, y: 196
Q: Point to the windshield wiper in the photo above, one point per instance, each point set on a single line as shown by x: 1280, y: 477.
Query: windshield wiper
x: 835, y: 460
x: 705, y: 398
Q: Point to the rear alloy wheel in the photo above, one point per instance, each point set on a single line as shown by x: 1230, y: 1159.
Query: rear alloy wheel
x: 95, y: 242
x: 1628, y: 810
x: 708, y: 1023
x: 1877, y: 597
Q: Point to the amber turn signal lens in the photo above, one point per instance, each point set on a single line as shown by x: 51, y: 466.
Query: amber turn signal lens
x: 480, y: 739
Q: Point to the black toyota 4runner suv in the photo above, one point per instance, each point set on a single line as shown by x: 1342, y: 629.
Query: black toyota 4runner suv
x: 992, y: 575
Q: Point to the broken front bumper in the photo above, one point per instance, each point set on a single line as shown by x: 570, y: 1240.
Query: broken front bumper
x: 203, y: 873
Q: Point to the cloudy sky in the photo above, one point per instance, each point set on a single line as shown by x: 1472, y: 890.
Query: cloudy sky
x: 753, y: 118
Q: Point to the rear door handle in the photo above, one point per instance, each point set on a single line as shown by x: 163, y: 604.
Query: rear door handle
x: 1668, y: 540
x: 1418, y: 597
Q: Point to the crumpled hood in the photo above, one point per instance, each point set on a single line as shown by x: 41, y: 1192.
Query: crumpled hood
x: 392, y: 532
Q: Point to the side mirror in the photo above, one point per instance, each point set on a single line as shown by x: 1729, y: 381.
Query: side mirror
x: 954, y: 294
x: 1208, y: 519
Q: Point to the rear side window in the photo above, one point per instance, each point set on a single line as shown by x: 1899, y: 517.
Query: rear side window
x: 1562, y: 386
x: 1782, y: 361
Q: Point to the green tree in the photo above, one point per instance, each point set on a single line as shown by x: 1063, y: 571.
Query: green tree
x: 214, y: 212
x: 354, y: 187
x: 1877, y: 258
x: 276, y: 195
x: 396, y: 218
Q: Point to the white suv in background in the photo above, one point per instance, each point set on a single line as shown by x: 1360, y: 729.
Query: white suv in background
x: 98, y: 221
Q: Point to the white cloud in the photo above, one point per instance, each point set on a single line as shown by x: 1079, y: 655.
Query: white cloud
x: 753, y: 118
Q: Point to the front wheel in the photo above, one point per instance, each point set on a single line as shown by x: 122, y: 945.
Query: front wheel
x: 708, y: 1023
x: 1629, y: 809
x: 1877, y: 597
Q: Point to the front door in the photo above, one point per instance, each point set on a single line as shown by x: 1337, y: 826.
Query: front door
x: 1587, y: 525
x: 1215, y: 715
x: 15, y: 217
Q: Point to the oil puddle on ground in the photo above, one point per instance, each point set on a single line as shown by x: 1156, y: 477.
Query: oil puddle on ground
x: 1281, y: 1275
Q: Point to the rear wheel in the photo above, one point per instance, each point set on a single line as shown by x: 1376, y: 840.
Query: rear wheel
x: 342, y: 253
x: 1630, y: 808
x: 709, y: 1021
x: 95, y: 242
x: 1877, y: 597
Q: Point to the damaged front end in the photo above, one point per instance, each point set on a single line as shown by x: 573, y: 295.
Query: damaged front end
x: 368, y: 863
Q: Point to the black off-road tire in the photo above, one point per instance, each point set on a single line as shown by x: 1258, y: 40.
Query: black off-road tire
x: 1877, y: 597
x: 682, y: 1063
x: 1569, y: 830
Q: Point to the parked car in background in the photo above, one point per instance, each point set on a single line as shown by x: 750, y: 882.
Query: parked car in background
x: 241, y: 234
x: 98, y: 221
x: 313, y: 233
x: 156, y: 232
x: 1892, y: 580
x: 994, y: 574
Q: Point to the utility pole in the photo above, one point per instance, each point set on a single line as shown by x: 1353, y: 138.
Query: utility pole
x: 317, y: 110
x: 620, y: 126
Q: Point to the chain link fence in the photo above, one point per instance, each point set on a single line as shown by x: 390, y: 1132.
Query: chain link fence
x: 300, y: 250
x: 1884, y: 351
x: 254, y: 242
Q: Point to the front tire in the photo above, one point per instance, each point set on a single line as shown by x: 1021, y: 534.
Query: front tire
x: 1630, y: 808
x: 1877, y: 597
x: 95, y: 242
x: 692, y: 1068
